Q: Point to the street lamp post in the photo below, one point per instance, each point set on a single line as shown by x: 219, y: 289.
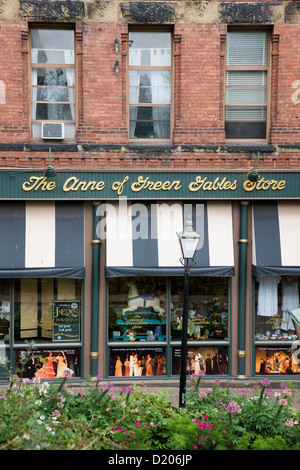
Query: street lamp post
x: 189, y: 241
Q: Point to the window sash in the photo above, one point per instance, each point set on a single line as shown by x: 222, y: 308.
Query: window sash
x: 53, y: 96
x: 150, y: 87
x: 246, y: 84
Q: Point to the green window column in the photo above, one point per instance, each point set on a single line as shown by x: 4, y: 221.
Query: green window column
x: 243, y: 245
x: 96, y: 242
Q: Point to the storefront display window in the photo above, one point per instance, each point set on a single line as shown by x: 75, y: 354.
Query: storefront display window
x: 212, y: 360
x: 276, y: 297
x: 47, y: 310
x: 48, y: 363
x: 208, y: 308
x: 142, y: 361
x: 278, y: 359
x: 4, y: 310
x: 137, y: 309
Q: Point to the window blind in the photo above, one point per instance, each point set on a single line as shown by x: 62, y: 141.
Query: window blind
x: 247, y: 48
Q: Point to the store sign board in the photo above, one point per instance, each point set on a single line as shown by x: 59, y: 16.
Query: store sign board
x: 156, y: 185
x: 66, y: 320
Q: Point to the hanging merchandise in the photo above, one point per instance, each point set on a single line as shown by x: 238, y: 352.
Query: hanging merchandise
x: 268, y: 295
x: 290, y: 301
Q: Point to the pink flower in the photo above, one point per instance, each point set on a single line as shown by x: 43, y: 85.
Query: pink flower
x: 151, y: 424
x: 137, y: 423
x: 233, y: 407
x: 265, y: 382
x: 119, y: 428
x: 290, y: 422
x: 283, y: 402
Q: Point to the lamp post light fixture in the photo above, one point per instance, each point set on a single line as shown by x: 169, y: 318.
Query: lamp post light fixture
x: 253, y: 174
x: 189, y: 241
x: 50, y: 172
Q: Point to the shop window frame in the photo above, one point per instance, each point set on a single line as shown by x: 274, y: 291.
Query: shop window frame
x: 169, y: 345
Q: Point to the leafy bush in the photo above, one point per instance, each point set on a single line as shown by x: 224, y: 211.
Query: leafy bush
x: 40, y: 415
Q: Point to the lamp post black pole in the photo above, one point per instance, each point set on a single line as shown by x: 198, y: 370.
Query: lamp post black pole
x: 184, y: 355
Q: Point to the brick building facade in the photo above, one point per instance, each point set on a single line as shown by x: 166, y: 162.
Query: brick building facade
x: 167, y: 106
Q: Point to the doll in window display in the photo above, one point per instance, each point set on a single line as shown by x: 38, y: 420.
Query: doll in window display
x: 47, y: 371
x: 30, y: 367
x: 62, y: 366
x: 118, y: 367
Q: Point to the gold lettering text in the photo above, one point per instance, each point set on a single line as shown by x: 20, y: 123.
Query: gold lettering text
x: 38, y: 182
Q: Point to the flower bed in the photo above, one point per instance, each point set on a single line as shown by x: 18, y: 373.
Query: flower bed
x: 38, y: 416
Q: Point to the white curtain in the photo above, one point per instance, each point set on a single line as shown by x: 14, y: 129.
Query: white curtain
x: 135, y: 59
x: 34, y: 55
x: 160, y: 93
x: 267, y: 305
x: 69, y: 59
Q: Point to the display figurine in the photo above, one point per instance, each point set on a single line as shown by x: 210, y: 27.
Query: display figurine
x: 135, y: 300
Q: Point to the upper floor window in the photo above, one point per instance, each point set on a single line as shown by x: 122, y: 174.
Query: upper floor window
x: 53, y: 83
x: 150, y: 85
x: 247, y: 56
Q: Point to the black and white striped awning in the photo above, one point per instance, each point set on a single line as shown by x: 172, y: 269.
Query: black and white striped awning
x: 141, y: 238
x: 41, y: 239
x: 276, y: 232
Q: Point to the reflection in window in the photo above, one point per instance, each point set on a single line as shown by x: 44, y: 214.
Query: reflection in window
x: 137, y: 309
x: 33, y: 307
x: 208, y: 308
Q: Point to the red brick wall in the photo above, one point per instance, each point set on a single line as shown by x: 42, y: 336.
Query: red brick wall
x: 198, y: 102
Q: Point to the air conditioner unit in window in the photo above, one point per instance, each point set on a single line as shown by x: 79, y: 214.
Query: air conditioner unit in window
x: 52, y: 130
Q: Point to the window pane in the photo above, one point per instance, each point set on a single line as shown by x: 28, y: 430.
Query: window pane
x: 53, y: 77
x: 250, y: 48
x: 149, y: 87
x: 245, y: 129
x: 140, y: 321
x: 150, y: 49
x: 245, y: 113
x: 150, y: 122
x: 246, y: 78
x: 212, y: 360
x: 53, y: 94
x: 52, y: 46
x: 243, y: 95
x: 277, y: 360
x: 208, y: 309
x: 141, y: 361
x: 48, y: 363
x: 52, y: 112
x: 34, y: 302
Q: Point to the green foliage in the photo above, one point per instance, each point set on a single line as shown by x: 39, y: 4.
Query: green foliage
x: 40, y: 416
